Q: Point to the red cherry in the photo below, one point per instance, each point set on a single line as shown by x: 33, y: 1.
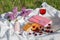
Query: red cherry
x: 49, y: 24
x: 33, y: 26
x: 42, y: 29
x: 42, y: 11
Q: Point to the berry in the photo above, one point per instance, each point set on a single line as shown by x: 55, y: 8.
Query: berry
x: 29, y: 33
x: 40, y: 33
x: 51, y: 31
x: 42, y: 11
x: 42, y: 29
x: 36, y: 30
x: 33, y: 26
x: 48, y: 27
x: 49, y: 24
x: 35, y: 34
x: 47, y: 31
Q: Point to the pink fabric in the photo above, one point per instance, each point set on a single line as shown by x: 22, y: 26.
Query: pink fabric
x: 40, y: 20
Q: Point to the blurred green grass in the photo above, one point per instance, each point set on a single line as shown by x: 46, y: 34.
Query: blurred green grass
x: 7, y: 5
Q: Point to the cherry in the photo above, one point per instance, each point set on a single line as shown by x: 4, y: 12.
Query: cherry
x: 35, y: 34
x: 49, y: 24
x: 36, y: 30
x: 42, y: 29
x: 29, y: 33
x: 48, y: 27
x: 40, y: 33
x: 47, y: 31
x: 51, y: 31
x: 42, y: 11
x: 33, y: 26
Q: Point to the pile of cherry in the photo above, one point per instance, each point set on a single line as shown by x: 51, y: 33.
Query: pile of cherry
x: 46, y: 30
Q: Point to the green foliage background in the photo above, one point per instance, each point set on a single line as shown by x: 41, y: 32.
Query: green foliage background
x: 7, y: 5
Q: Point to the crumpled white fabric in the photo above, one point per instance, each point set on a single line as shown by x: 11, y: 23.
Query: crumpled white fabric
x: 21, y: 21
x: 4, y: 27
x: 50, y: 13
x: 50, y: 10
